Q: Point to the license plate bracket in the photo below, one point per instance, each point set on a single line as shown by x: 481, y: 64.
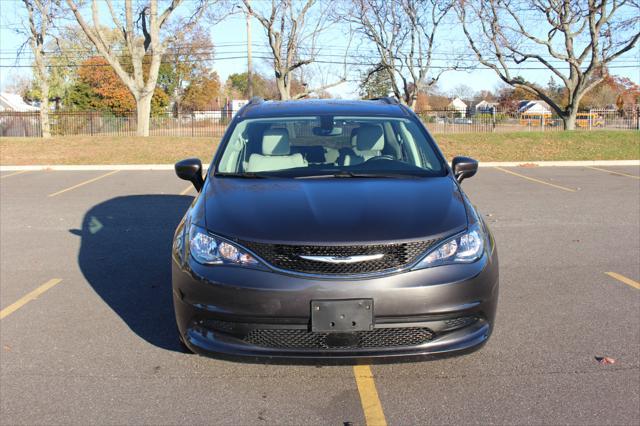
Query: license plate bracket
x: 341, y: 315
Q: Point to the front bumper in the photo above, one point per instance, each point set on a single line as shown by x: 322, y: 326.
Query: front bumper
x: 442, y: 310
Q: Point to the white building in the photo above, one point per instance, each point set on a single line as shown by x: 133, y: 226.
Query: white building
x: 12, y: 102
x: 485, y: 106
x: 458, y: 106
x: 534, y: 107
x: 236, y: 104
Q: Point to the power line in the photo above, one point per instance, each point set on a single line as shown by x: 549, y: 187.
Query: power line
x: 199, y: 55
x: 328, y: 62
x: 220, y: 48
x: 320, y: 58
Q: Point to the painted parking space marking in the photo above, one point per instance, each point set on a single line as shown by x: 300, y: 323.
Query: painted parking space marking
x: 29, y: 297
x: 373, y: 413
x: 187, y: 190
x: 19, y: 172
x: 613, y: 172
x: 86, y: 182
x: 564, y: 188
x: 623, y: 279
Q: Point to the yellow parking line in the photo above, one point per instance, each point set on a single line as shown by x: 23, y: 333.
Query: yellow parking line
x: 83, y: 183
x: 612, y: 172
x: 28, y: 297
x: 622, y: 278
x: 369, y: 399
x: 19, y: 172
x: 187, y: 190
x: 564, y: 188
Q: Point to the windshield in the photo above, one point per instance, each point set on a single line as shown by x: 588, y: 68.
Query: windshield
x: 320, y: 146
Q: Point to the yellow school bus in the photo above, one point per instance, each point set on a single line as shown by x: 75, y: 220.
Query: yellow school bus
x: 583, y: 119
x: 535, y: 119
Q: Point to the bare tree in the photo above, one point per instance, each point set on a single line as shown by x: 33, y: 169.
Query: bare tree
x: 403, y: 33
x: 144, y: 44
x: 40, y: 15
x: 574, y: 39
x: 293, y: 28
x: 463, y: 91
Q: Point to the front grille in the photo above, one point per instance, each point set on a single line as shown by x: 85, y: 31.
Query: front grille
x: 303, y: 339
x: 288, y: 256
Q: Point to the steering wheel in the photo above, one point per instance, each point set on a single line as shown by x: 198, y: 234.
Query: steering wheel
x: 381, y: 157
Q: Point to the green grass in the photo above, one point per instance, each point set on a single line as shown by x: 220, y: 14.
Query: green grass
x: 543, y: 146
x: 521, y: 146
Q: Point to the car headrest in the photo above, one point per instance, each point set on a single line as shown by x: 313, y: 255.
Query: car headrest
x: 275, y: 142
x: 369, y: 138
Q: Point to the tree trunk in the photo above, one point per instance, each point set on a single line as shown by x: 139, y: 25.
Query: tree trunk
x: 412, y: 104
x: 177, y: 106
x: 282, y: 88
x: 44, y: 108
x: 143, y: 110
x: 569, y: 119
x: 43, y: 82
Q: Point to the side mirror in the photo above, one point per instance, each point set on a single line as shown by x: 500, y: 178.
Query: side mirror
x: 464, y: 168
x: 191, y: 170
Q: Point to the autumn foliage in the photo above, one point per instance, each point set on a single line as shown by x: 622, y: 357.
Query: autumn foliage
x: 110, y: 93
x: 107, y: 92
x: 203, y: 93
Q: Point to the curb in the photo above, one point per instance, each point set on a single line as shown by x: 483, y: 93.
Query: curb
x: 561, y: 163
x: 206, y: 166
x: 91, y: 167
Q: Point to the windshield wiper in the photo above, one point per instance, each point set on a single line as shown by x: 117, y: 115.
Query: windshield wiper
x: 245, y: 175
x: 350, y: 174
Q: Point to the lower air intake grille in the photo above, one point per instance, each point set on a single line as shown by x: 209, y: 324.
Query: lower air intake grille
x: 303, y: 339
x: 460, y: 322
x: 288, y: 256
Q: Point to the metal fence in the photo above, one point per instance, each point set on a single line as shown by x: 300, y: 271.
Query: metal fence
x: 214, y: 123
x: 496, y: 120
x: 200, y: 123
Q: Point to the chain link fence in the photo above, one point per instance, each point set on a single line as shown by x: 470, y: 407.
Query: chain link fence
x: 214, y: 123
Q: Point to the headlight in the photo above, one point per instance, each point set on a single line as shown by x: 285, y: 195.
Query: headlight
x: 210, y: 250
x: 465, y: 248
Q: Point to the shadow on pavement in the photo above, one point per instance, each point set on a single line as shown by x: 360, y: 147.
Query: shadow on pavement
x: 125, y: 256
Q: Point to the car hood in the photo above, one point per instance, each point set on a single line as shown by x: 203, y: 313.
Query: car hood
x: 338, y: 210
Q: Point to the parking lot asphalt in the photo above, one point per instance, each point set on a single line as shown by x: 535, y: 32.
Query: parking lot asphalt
x: 98, y: 345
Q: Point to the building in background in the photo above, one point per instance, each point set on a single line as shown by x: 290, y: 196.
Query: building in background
x: 534, y: 107
x: 458, y: 106
x: 13, y: 120
x: 535, y: 113
x: 12, y: 102
x: 486, y: 107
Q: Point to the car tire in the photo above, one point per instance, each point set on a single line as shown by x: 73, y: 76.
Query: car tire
x: 183, y: 346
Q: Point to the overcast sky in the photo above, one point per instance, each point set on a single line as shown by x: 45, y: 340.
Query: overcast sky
x: 229, y: 38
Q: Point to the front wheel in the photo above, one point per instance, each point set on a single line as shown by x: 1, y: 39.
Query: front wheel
x: 183, y: 346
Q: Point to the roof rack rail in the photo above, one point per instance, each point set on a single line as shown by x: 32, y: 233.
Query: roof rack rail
x: 388, y: 99
x: 256, y: 100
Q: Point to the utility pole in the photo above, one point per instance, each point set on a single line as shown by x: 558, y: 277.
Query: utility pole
x: 249, y: 70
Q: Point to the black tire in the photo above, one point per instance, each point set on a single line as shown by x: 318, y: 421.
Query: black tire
x: 183, y: 346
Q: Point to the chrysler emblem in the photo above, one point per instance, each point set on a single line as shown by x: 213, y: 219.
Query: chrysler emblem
x: 343, y: 259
